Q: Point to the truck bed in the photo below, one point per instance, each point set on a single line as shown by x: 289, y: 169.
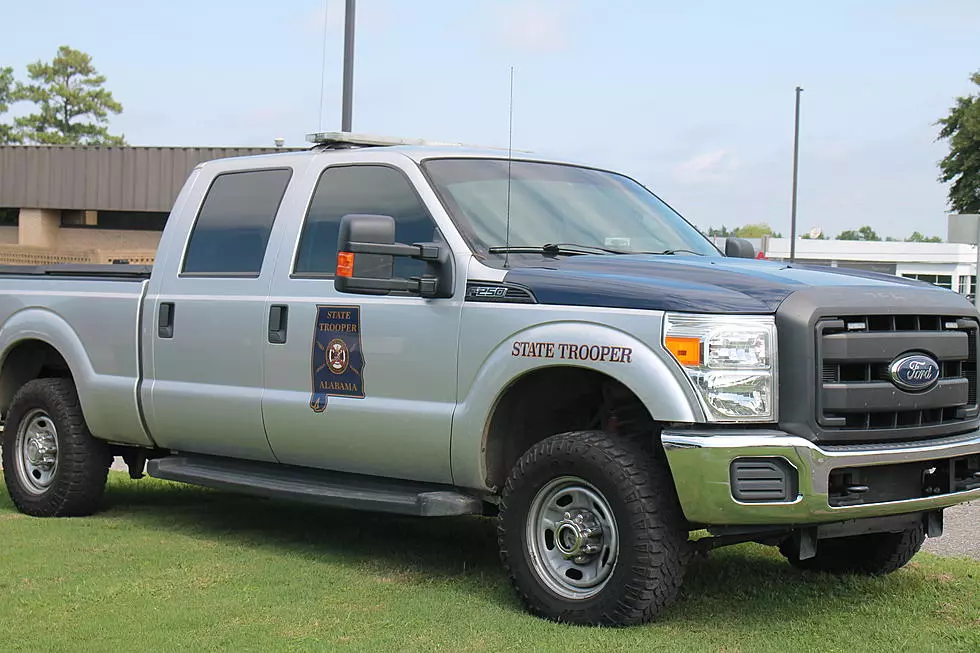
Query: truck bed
x: 108, y: 271
x: 92, y: 321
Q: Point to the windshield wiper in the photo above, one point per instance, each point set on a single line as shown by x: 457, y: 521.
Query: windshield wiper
x: 552, y: 249
x: 674, y: 251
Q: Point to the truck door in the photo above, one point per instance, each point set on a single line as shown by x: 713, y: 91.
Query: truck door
x: 207, y: 322
x: 359, y: 383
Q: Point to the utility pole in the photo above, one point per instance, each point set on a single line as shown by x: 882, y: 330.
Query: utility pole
x: 796, y: 162
x: 348, y: 99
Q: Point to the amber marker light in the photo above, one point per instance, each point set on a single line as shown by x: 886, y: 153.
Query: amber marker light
x: 687, y: 351
x: 345, y: 264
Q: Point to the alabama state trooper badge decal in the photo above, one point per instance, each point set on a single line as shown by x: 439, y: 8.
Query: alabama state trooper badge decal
x: 337, y: 359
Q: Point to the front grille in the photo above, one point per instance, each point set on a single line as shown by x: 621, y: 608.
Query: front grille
x: 857, y: 400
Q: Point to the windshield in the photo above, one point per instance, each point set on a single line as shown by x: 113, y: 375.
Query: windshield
x: 555, y: 203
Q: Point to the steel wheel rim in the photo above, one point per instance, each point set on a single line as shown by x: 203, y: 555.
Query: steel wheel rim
x: 36, y: 449
x: 566, y: 552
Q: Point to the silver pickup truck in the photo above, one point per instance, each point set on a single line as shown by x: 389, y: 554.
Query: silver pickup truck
x: 437, y: 330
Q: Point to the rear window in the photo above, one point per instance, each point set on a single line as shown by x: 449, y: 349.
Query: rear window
x: 233, y: 226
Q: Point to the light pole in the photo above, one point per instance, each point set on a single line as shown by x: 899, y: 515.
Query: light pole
x: 796, y: 162
x: 348, y: 99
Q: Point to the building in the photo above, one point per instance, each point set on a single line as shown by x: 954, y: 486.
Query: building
x: 949, y: 265
x: 68, y: 204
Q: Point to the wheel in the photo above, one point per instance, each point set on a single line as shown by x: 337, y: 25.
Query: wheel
x: 873, y: 555
x: 590, y: 531
x: 53, y: 467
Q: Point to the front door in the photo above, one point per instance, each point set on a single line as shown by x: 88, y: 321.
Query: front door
x: 204, y: 374
x: 362, y: 383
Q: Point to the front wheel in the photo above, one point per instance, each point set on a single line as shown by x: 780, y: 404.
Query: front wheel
x: 590, y: 531
x: 53, y: 467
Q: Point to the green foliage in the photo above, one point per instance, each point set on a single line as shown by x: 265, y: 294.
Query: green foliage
x: 916, y: 237
x: 66, y: 91
x: 720, y: 233
x: 6, y: 89
x: 807, y: 236
x: 962, y: 165
x: 864, y: 233
x: 757, y: 230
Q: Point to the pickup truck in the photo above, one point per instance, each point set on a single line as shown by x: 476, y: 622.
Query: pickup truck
x: 439, y: 330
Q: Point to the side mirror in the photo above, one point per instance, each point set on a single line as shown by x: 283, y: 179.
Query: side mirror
x: 739, y: 248
x: 366, y: 251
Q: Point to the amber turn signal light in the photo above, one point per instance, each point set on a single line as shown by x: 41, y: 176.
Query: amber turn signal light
x: 687, y: 351
x: 345, y: 264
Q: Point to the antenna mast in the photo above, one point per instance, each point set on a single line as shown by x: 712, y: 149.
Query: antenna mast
x: 510, y: 151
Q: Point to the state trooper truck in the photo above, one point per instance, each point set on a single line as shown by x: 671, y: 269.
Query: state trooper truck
x: 437, y: 330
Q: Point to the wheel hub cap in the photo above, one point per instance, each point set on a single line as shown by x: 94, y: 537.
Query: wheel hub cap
x: 579, y: 536
x: 572, y: 538
x: 37, y: 447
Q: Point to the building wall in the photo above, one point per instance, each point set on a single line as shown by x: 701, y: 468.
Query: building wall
x: 9, y: 235
x: 69, y: 238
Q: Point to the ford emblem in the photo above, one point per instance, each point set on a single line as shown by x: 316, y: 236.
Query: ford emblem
x: 914, y: 372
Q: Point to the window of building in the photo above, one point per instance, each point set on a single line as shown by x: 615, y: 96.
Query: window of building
x: 941, y: 280
x: 9, y: 217
x: 967, y: 284
x: 119, y: 220
x: 233, y: 226
x: 375, y: 189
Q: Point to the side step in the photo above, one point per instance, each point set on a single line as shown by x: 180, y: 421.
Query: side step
x: 338, y: 489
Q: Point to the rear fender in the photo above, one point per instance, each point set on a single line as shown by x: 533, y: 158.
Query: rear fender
x: 108, y: 402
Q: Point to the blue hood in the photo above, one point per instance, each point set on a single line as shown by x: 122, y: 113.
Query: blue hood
x: 683, y: 283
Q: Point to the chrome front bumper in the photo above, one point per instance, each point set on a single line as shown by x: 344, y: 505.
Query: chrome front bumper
x: 700, y: 461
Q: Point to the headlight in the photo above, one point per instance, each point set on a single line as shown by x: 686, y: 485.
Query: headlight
x: 731, y: 361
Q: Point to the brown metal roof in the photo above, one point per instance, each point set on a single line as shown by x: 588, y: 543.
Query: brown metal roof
x: 102, y: 178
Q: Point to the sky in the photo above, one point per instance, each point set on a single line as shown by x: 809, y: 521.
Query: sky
x: 693, y: 99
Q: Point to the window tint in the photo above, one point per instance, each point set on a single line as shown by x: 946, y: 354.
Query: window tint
x: 232, y: 229
x: 361, y: 189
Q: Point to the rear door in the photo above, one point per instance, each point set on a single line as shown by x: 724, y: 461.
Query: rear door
x: 360, y: 383
x: 208, y: 320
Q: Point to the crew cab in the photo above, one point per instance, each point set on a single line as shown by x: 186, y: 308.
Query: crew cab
x: 441, y: 331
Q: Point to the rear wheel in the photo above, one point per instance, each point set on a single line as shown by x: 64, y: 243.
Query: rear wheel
x: 873, y: 555
x: 53, y: 467
x: 590, y: 531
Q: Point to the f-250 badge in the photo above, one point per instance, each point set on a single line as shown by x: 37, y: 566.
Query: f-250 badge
x: 337, y: 361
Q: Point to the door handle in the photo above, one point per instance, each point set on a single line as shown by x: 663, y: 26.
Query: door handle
x: 165, y: 322
x: 278, y: 318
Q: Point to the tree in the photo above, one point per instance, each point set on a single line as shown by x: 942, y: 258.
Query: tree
x: 962, y: 165
x: 720, y: 233
x: 6, y: 84
x: 757, y: 230
x: 864, y: 233
x: 65, y: 91
x: 916, y: 237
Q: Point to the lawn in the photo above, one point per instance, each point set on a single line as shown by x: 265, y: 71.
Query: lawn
x: 176, y: 568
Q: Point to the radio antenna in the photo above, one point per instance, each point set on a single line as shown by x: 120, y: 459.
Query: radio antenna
x: 510, y: 146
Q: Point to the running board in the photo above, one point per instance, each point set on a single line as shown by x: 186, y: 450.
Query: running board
x: 338, y: 489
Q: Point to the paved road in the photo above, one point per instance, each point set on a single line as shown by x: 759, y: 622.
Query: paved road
x: 961, y: 532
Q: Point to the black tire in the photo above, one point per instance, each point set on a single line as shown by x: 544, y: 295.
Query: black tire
x: 871, y: 555
x: 652, y: 534
x: 75, y: 483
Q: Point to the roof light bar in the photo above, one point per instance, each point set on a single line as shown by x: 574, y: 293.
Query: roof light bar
x: 348, y: 139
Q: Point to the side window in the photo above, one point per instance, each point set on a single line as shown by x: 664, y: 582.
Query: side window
x: 361, y: 189
x: 233, y: 226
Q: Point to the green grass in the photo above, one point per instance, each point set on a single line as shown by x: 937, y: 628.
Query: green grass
x: 175, y: 568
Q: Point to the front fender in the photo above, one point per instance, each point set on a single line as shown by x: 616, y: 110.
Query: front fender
x: 667, y: 396
x: 108, y: 402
